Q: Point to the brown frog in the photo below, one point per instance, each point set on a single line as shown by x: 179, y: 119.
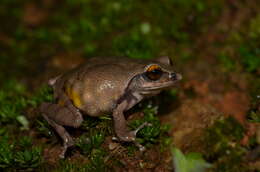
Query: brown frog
x: 105, y: 85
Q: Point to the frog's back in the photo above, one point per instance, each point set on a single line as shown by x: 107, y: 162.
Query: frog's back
x: 96, y: 86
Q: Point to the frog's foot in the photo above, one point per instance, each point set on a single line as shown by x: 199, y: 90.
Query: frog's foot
x: 131, y: 136
x: 66, y: 145
x: 141, y: 147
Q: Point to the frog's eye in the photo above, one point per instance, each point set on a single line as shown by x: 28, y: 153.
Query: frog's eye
x: 154, y: 72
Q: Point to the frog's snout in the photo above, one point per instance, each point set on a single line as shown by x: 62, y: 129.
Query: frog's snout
x: 175, y: 76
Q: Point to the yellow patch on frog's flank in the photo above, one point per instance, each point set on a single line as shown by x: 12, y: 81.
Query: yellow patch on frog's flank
x: 74, y: 96
x: 76, y: 99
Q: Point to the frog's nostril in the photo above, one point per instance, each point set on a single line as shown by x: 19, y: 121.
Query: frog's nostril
x: 175, y: 76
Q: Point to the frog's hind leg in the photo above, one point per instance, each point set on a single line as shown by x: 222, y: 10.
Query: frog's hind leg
x: 58, y: 116
x: 67, y: 139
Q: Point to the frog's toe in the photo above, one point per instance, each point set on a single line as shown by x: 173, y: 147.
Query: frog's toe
x: 141, y: 147
x: 67, y: 143
x: 115, y: 139
x: 145, y: 124
x: 130, y: 137
x: 62, y: 154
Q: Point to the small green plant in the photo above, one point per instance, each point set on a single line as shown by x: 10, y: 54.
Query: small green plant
x: 19, y: 155
x: 254, y: 116
x: 67, y: 166
x: 6, y: 152
x: 12, y: 102
x: 90, y: 122
x: 191, y: 162
x: 95, y: 139
x: 96, y: 131
x: 227, y: 62
x: 254, y: 28
x: 28, y: 158
x: 97, y: 161
x: 250, y: 58
x: 25, y: 142
x: 16, y: 154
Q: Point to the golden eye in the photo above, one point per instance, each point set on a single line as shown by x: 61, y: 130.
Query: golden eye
x: 154, y: 72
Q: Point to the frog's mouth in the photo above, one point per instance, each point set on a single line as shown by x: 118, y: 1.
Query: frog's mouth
x: 161, y: 87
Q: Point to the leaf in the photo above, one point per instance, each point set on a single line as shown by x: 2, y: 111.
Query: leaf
x: 23, y: 121
x: 192, y: 162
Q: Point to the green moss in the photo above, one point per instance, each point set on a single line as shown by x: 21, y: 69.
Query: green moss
x: 90, y: 145
x: 250, y: 58
x: 12, y: 101
x: 94, y: 141
x: 19, y: 155
x: 254, y: 28
x: 253, y: 114
x: 254, y: 90
x: 227, y: 63
x: 134, y: 45
x: 68, y: 166
x: 240, y: 52
x: 6, y: 152
x: 96, y: 163
x: 247, y: 57
x: 95, y: 129
x: 222, y: 146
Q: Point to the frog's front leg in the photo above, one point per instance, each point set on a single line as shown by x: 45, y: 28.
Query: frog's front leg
x: 120, y: 125
x: 58, y: 116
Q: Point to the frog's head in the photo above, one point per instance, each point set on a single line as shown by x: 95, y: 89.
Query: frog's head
x: 157, y: 75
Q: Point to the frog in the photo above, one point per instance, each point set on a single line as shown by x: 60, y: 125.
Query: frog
x: 105, y: 85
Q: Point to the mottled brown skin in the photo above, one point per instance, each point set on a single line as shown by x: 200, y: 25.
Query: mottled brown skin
x: 104, y: 85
